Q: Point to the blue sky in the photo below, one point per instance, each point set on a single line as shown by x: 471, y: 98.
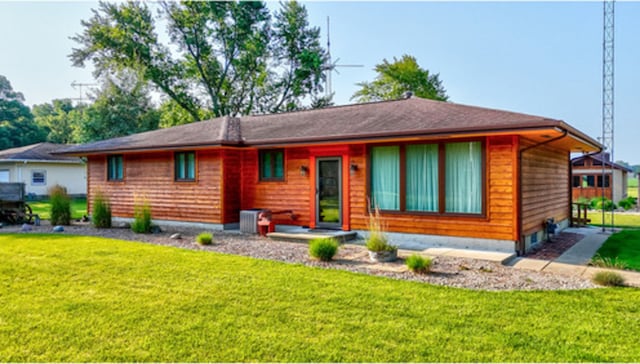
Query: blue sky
x: 542, y: 58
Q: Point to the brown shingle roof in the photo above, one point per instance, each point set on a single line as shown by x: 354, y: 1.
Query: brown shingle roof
x: 377, y: 120
x: 38, y: 152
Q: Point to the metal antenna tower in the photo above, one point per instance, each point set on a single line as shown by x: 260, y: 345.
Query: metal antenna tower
x: 608, y: 96
x: 80, y: 85
x: 331, y: 66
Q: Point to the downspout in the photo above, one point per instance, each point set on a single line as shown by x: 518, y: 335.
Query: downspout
x: 520, y: 248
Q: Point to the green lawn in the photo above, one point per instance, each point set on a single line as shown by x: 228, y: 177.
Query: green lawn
x: 620, y: 220
x: 43, y: 208
x: 84, y: 299
x: 623, y: 246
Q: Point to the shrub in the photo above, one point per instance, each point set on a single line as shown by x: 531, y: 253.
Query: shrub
x: 141, y: 218
x: 628, y: 203
x: 205, y: 239
x: 602, y: 203
x: 60, y: 205
x: 583, y: 200
x: 608, y: 278
x: 418, y: 264
x: 101, y: 212
x: 605, y: 262
x: 377, y: 240
x: 323, y: 248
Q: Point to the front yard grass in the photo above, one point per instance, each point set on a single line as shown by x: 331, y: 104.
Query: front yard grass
x: 43, y: 208
x: 630, y: 221
x: 86, y: 299
x: 623, y: 246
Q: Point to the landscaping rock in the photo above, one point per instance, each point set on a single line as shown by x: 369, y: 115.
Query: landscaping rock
x: 176, y: 236
x: 26, y: 227
x: 58, y: 229
x: 155, y: 229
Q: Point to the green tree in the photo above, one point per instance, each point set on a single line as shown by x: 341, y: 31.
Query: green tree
x: 60, y: 119
x: 223, y: 56
x: 17, y: 127
x: 398, y: 77
x: 121, y: 107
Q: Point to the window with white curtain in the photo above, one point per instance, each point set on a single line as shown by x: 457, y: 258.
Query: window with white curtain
x: 409, y: 177
x: 463, y: 177
x: 385, y: 177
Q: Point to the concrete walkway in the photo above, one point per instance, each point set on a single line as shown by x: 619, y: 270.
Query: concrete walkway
x: 572, y: 262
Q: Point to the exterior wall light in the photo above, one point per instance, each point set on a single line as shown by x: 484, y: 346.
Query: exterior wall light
x: 353, y: 168
x: 304, y: 170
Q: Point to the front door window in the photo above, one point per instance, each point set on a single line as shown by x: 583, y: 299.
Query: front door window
x: 329, y: 194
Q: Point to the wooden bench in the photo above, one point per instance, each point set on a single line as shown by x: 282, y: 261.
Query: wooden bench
x: 265, y: 220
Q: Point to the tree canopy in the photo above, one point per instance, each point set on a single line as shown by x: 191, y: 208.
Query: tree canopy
x: 122, y: 106
x: 16, y: 121
x: 398, y: 77
x: 60, y: 119
x: 224, y: 58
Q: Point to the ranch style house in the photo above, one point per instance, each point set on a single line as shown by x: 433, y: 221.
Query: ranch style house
x: 441, y: 173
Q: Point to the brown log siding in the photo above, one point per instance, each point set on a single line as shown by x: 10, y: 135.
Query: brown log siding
x: 545, y: 186
x: 150, y: 176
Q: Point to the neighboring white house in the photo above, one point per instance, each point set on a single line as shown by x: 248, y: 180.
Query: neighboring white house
x: 38, y: 168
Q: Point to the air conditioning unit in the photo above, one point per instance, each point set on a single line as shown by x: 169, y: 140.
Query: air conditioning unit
x: 249, y: 221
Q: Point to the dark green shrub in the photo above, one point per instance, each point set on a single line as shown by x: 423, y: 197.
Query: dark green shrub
x: 608, y: 278
x: 204, y: 239
x: 101, y: 212
x: 323, y: 248
x: 628, y: 203
x: 418, y: 264
x: 60, y: 205
x: 141, y: 218
x: 602, y: 203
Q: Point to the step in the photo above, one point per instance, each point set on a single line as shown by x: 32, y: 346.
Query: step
x: 306, y: 236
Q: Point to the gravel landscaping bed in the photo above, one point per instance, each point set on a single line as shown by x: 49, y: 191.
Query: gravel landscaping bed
x: 446, y: 271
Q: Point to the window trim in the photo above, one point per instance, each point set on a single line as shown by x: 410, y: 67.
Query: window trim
x: 195, y: 166
x: 109, y: 177
x: 44, y: 177
x: 272, y: 151
x: 441, y: 179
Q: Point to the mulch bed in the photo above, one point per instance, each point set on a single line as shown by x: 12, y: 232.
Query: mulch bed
x: 559, y: 244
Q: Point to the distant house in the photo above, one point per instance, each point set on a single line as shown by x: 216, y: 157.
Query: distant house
x: 441, y: 173
x: 38, y: 168
x: 587, y: 181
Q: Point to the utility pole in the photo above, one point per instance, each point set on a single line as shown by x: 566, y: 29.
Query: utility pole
x: 608, y: 98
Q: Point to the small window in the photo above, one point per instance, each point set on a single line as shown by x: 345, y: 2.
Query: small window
x: 38, y: 178
x: 272, y: 165
x: 588, y: 181
x: 185, y: 163
x: 576, y: 181
x: 579, y: 163
x: 4, y: 175
x: 115, y: 170
x: 606, y: 181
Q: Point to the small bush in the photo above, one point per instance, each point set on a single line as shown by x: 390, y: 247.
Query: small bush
x: 418, y: 264
x: 377, y: 240
x: 101, y: 212
x: 205, y: 239
x: 141, y: 218
x: 323, y: 248
x: 605, y: 262
x: 602, y: 203
x: 60, y: 205
x: 628, y: 203
x: 583, y: 200
x: 608, y: 278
